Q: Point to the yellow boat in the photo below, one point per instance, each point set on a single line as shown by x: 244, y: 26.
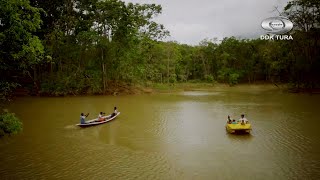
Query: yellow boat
x: 239, y: 128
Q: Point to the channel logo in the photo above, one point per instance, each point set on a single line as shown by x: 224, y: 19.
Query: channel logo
x: 276, y: 27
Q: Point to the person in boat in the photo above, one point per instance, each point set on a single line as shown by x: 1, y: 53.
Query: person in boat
x: 243, y: 120
x: 100, y: 117
x: 234, y: 122
x: 229, y: 120
x: 83, y: 118
x: 115, y: 112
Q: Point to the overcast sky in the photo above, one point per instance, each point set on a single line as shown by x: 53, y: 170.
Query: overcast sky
x: 190, y: 21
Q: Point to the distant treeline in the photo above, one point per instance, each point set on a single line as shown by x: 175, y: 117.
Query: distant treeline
x: 60, y: 47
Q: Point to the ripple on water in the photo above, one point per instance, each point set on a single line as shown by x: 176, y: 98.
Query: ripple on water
x: 90, y: 160
x: 167, y: 137
x: 71, y: 127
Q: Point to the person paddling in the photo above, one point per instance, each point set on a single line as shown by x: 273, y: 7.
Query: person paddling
x: 115, y: 112
x: 83, y: 118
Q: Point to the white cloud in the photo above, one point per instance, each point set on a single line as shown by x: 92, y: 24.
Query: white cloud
x: 191, y: 21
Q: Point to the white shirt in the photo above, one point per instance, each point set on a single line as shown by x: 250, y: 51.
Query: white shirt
x: 243, y: 119
x: 100, y: 116
x: 115, y: 111
x: 82, y: 119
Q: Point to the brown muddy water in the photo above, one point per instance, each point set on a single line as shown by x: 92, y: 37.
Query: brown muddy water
x: 166, y: 136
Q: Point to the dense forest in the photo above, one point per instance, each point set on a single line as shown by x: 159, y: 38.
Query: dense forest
x: 60, y: 47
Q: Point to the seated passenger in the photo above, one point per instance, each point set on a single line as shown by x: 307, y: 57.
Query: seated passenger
x: 229, y: 120
x: 243, y: 120
x: 234, y: 122
x: 100, y: 117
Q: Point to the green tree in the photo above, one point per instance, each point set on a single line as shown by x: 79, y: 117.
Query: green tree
x: 305, y: 14
x: 20, y: 49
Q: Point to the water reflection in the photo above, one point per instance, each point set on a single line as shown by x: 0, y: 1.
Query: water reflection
x: 167, y: 136
x: 240, y: 137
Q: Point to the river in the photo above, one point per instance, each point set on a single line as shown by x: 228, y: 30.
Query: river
x: 177, y: 135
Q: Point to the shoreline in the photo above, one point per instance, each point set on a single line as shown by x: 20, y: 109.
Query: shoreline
x: 155, y: 88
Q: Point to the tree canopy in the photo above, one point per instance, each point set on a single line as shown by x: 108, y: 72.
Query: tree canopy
x: 89, y: 46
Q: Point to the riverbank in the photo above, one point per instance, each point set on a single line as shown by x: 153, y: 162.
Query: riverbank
x: 154, y: 88
x: 150, y: 88
x: 163, y: 88
x: 201, y: 86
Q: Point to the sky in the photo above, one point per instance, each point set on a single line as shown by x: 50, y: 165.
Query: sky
x: 190, y: 21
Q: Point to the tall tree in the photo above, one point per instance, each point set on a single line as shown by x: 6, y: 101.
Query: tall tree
x: 20, y: 49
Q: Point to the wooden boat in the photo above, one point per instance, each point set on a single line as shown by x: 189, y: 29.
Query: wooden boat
x: 94, y: 122
x: 239, y: 128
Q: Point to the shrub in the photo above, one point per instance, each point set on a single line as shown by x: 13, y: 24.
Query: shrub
x: 209, y: 78
x: 6, y: 89
x: 173, y: 78
x: 9, y: 124
x: 233, y: 78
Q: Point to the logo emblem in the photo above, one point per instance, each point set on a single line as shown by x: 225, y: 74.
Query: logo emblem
x: 277, y: 25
